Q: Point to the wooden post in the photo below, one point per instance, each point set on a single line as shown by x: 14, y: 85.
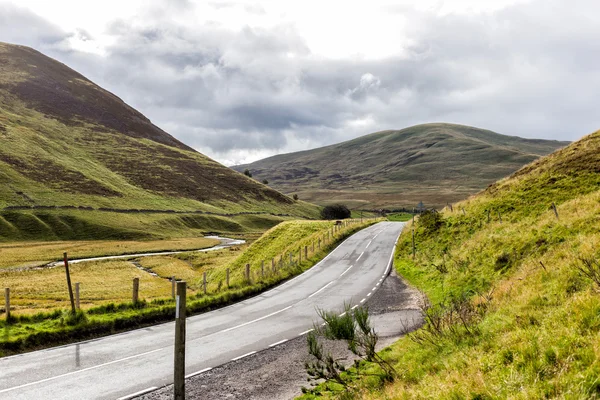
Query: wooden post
x: 262, y: 268
x: 489, y: 218
x: 248, y: 272
x: 136, y: 290
x: 179, y: 375
x: 499, y: 217
x: 464, y: 212
x: 204, y: 281
x: 7, y: 302
x: 227, y: 279
x: 413, y: 242
x: 69, y: 282
x: 306, y: 252
x: 173, y: 284
x: 319, y: 243
x: 555, y: 210
x: 77, y: 295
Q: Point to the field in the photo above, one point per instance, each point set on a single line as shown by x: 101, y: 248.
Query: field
x: 514, y: 290
x: 39, y: 297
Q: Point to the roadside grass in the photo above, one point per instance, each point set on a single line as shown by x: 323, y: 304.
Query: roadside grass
x: 399, y: 217
x: 511, y: 316
x: 28, y: 254
x: 112, y: 311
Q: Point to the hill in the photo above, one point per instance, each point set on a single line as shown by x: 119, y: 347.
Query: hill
x: 514, y: 286
x: 67, y: 143
x: 434, y: 163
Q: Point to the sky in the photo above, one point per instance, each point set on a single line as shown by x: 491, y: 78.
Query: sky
x: 244, y: 80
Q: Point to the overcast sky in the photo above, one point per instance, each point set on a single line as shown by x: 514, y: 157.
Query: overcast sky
x: 240, y: 81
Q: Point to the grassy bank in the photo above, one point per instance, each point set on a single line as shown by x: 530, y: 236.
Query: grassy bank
x: 30, y: 331
x: 511, y: 316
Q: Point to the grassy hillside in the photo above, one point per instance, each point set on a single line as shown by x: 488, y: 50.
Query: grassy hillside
x: 66, y: 142
x: 433, y: 163
x: 513, y: 315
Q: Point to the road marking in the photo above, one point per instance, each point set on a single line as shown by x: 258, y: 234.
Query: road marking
x: 320, y: 290
x: 141, y: 392
x: 255, y: 320
x: 360, y: 256
x: 78, y: 371
x: 368, y: 244
x: 242, y: 356
x: 198, y: 372
x: 342, y: 314
x: 305, y: 332
x: 368, y: 294
x: 278, y: 343
x: 363, y: 300
x: 347, y: 269
x: 354, y: 307
x: 374, y: 288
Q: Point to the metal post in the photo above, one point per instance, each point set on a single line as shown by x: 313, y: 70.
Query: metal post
x: 179, y: 375
x: 69, y: 282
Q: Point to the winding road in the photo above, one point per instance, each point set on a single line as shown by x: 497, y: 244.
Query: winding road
x: 121, y: 366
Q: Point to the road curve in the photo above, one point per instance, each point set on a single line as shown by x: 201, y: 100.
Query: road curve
x: 120, y: 365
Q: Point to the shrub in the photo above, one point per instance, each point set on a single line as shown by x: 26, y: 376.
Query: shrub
x: 431, y: 221
x: 335, y: 211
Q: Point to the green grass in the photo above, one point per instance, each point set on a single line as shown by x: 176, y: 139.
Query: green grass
x: 434, y: 163
x: 106, y: 311
x: 399, y: 217
x: 534, y: 328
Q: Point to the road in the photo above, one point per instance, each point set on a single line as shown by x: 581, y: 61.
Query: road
x: 133, y: 362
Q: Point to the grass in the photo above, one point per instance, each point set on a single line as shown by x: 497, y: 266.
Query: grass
x: 400, y: 217
x: 39, y: 297
x: 29, y: 254
x: 434, y: 163
x: 534, y: 329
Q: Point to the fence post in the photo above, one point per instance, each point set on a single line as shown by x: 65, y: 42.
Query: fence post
x: 227, y: 278
x: 204, y: 281
x: 489, y: 218
x: 69, y: 282
x: 555, y: 210
x: 173, y: 284
x: 7, y: 302
x: 179, y: 373
x: 413, y: 242
x: 248, y: 272
x: 136, y: 290
x: 319, y: 243
x: 499, y: 217
x: 262, y: 268
x: 306, y: 252
x: 77, y: 295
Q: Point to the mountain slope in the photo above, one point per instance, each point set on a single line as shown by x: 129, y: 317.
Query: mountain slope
x: 433, y: 163
x: 67, y: 142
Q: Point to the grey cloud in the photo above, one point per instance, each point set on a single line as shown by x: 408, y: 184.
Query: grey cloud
x: 529, y: 70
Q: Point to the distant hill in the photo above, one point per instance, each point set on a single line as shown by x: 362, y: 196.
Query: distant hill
x: 66, y: 142
x: 434, y: 163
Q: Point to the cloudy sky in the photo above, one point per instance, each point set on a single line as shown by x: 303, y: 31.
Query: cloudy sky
x: 240, y: 80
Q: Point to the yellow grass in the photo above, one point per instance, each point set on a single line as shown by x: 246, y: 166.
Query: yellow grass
x: 26, y: 254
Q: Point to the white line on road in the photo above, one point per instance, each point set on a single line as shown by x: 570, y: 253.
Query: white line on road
x: 374, y: 288
x: 354, y: 307
x: 320, y: 290
x: 136, y: 394
x: 368, y: 244
x: 255, y: 320
x: 198, y: 372
x: 342, y: 314
x: 360, y: 256
x: 305, y: 332
x: 347, y: 269
x: 368, y: 294
x: 363, y: 300
x: 278, y: 343
x: 242, y: 356
x: 78, y: 371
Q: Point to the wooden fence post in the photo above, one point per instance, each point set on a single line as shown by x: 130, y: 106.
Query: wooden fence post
x: 179, y: 373
x: 306, y: 252
x: 262, y: 268
x: 413, y: 242
x: 69, y: 282
x: 204, y: 281
x: 7, y: 302
x: 227, y: 278
x: 489, y: 218
x: 248, y: 272
x: 77, y: 295
x: 173, y: 284
x: 136, y: 290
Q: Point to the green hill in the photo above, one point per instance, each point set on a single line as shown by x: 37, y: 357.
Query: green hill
x: 67, y: 143
x: 433, y: 163
x: 514, y: 285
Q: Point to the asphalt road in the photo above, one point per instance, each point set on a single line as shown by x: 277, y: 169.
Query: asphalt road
x: 133, y: 362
